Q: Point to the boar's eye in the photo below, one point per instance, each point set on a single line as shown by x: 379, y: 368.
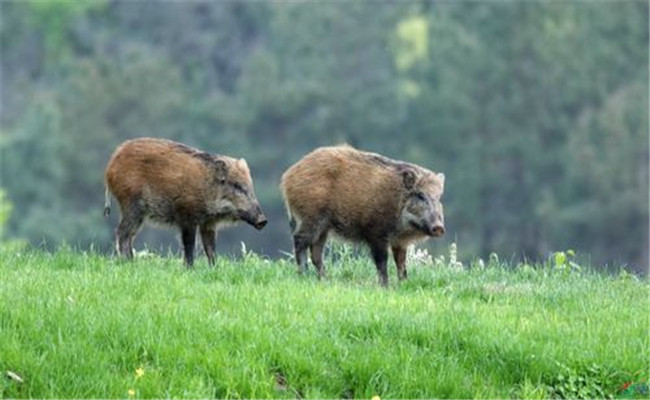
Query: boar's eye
x: 238, y: 187
x: 420, y: 196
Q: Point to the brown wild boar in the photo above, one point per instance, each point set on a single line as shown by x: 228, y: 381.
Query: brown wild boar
x: 362, y: 197
x: 173, y: 184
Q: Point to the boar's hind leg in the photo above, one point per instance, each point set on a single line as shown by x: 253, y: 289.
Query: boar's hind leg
x: 399, y: 254
x: 208, y: 238
x: 188, y: 236
x: 132, y: 218
x: 307, y: 236
x: 317, y: 254
x: 380, y: 256
x: 300, y: 244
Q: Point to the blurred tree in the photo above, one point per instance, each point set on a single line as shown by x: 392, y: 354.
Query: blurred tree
x: 608, y: 192
x: 51, y: 19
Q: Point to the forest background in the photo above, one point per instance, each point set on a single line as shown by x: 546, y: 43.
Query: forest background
x: 537, y: 112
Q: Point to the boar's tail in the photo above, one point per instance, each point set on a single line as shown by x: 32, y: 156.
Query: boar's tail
x: 107, y: 202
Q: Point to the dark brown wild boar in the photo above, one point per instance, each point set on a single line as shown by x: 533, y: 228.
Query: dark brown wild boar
x: 173, y: 184
x: 362, y: 197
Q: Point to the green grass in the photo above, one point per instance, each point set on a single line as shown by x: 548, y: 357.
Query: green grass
x: 79, y: 325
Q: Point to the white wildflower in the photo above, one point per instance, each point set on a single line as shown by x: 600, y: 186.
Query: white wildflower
x: 453, y: 257
x: 143, y: 254
x: 418, y: 256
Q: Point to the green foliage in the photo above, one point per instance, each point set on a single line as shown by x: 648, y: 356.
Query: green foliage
x: 591, y: 382
x: 562, y: 261
x: 413, y: 36
x: 5, y: 211
x: 53, y: 17
x: 78, y: 324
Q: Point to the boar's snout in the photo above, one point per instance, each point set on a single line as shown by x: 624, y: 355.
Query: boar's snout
x: 261, y: 222
x: 255, y: 217
x: 437, y: 230
x: 434, y: 229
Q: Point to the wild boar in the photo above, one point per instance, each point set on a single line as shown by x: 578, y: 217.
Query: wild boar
x: 173, y: 184
x: 363, y: 197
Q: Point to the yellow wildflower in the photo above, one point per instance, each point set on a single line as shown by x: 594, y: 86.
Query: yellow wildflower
x: 139, y: 373
x: 375, y: 397
x: 131, y: 393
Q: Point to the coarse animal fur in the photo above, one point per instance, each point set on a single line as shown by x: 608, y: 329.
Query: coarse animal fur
x: 363, y: 197
x: 173, y: 184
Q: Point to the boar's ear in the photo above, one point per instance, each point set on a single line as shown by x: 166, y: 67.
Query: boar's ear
x: 408, y: 178
x: 221, y: 170
x: 441, y: 177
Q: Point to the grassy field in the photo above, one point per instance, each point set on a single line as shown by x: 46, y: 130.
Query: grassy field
x: 82, y: 325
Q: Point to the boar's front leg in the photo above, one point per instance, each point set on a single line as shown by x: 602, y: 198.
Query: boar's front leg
x: 208, y: 238
x: 399, y: 254
x: 188, y: 236
x: 380, y: 256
